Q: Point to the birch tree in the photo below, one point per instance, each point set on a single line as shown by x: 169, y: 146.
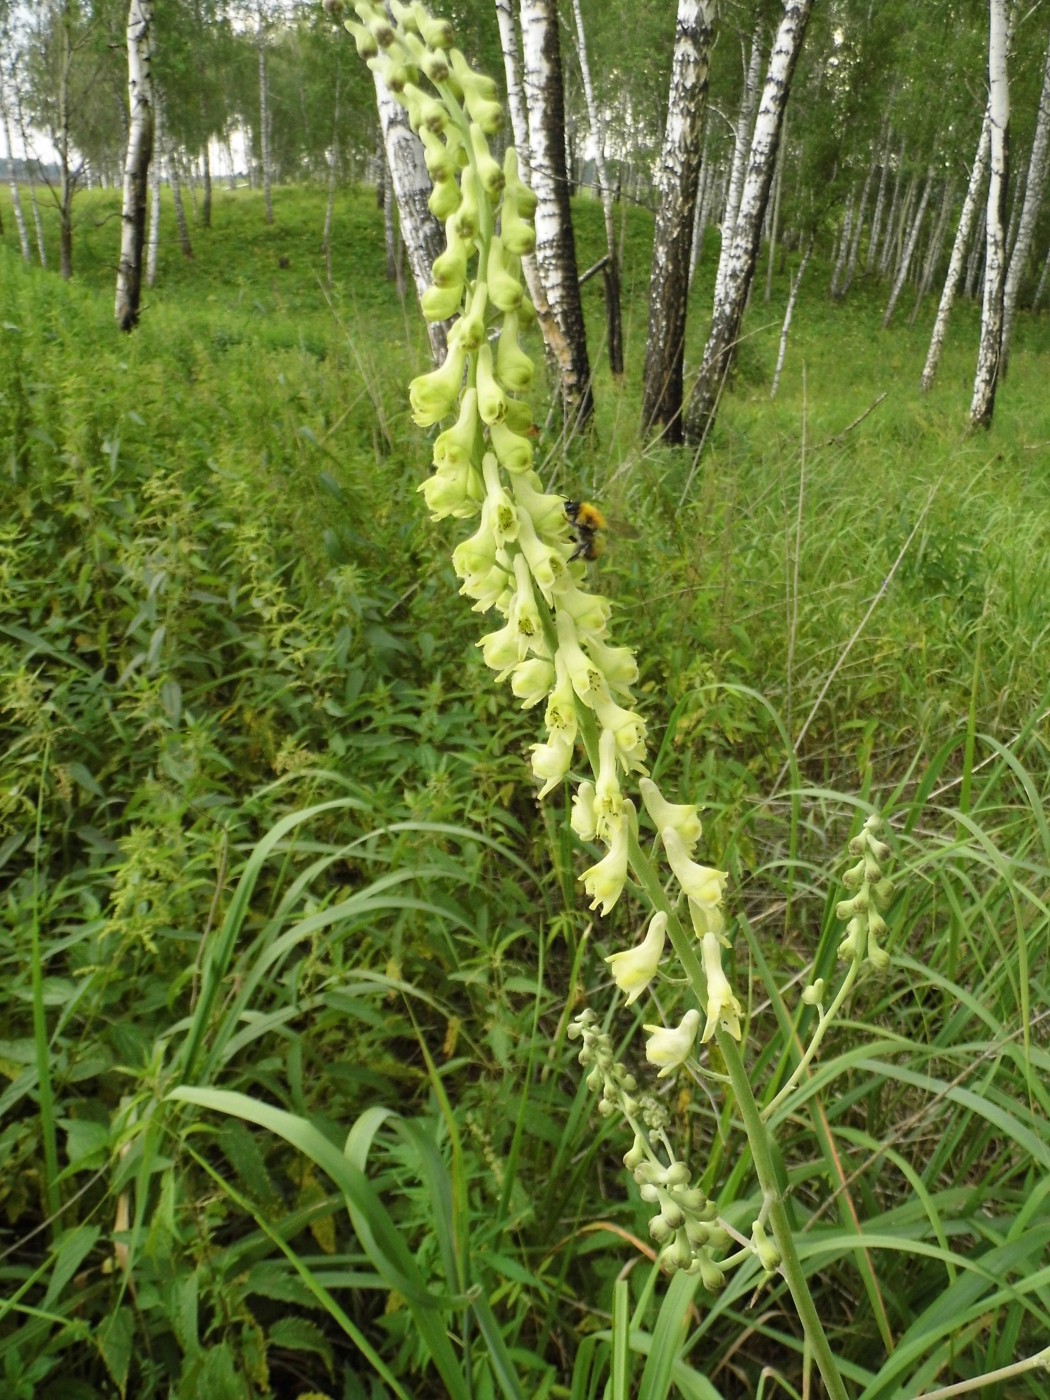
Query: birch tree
x: 720, y: 350
x: 423, y: 236
x: 677, y: 181
x: 555, y: 242
x: 986, y: 378
x: 1033, y: 197
x: 264, y: 114
x: 16, y: 203
x: 136, y: 166
x: 911, y: 238
x: 741, y: 147
x: 613, y: 320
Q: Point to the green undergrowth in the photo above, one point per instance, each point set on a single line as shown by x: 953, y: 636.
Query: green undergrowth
x: 267, y: 829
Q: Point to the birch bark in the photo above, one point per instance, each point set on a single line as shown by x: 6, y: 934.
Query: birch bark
x: 908, y: 250
x: 136, y: 165
x: 614, y: 324
x: 741, y: 149
x: 788, y: 313
x: 264, y: 116
x: 678, y: 177
x: 986, y: 378
x: 725, y: 326
x: 933, y: 252
x: 1033, y: 198
x: 16, y: 203
x: 555, y: 242
x: 423, y: 236
x: 876, y: 218
x: 153, y: 237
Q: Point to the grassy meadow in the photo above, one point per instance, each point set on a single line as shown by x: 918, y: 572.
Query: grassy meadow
x: 268, y: 829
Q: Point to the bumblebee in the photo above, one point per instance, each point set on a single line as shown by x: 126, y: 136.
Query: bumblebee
x: 587, y: 525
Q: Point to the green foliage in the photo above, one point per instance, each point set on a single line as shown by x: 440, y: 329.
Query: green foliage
x: 267, y: 832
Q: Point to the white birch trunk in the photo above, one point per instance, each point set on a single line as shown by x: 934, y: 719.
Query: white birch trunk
x: 264, y: 118
x: 986, y: 378
x: 519, y: 121
x: 136, y: 166
x: 741, y: 149
x: 555, y: 242
x: 788, y: 312
x: 845, y: 240
x: 774, y: 223
x: 858, y: 229
x: 423, y: 236
x: 553, y: 340
x: 886, y: 248
x: 898, y: 231
x: 933, y: 252
x: 612, y: 268
x: 333, y: 167
x: 678, y: 176
x: 725, y: 326
x: 876, y: 218
x: 16, y: 203
x: 1033, y: 198
x: 153, y: 238
x: 909, y: 249
x: 1037, y: 299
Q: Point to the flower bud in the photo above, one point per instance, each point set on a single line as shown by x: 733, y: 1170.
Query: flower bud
x: 490, y: 172
x: 492, y: 404
x: 503, y: 277
x: 518, y: 236
x: 433, y: 396
x: 513, y: 451
x: 514, y: 368
x: 436, y: 31
x: 364, y: 39
x: 444, y: 199
x: 439, y: 303
x: 468, y: 215
x: 526, y: 200
x: 456, y: 445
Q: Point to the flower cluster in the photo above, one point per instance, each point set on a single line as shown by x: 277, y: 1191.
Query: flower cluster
x: 866, y: 925
x: 553, y: 642
x: 522, y: 564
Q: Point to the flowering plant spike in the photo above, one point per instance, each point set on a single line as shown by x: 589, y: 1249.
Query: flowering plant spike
x: 549, y: 639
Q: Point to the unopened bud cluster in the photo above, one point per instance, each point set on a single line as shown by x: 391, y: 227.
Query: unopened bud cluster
x: 866, y: 926
x: 685, y: 1225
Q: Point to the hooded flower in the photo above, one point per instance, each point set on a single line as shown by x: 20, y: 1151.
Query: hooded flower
x: 723, y: 1009
x: 670, y: 1048
x: 604, y: 882
x: 635, y: 968
x: 679, y: 815
x: 699, y: 882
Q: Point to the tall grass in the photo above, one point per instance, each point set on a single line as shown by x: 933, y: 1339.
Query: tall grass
x: 265, y: 831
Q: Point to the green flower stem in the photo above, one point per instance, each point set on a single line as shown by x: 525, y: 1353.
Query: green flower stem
x: 780, y: 1226
x: 826, y: 1019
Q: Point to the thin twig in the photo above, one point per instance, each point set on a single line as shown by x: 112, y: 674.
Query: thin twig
x: 838, y: 437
